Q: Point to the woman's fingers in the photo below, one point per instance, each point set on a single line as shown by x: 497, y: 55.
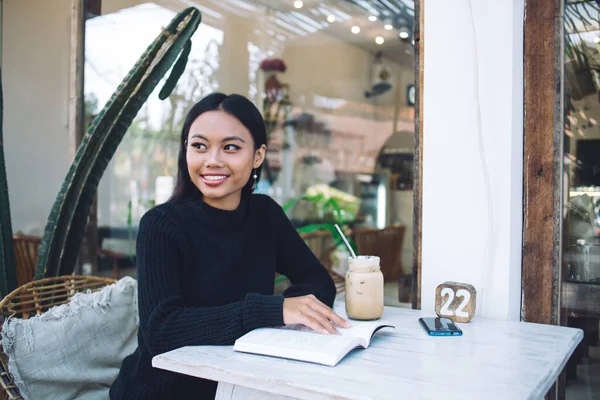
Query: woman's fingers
x: 313, y: 324
x: 325, y: 326
x: 309, y: 311
x: 337, y: 319
x: 329, y: 314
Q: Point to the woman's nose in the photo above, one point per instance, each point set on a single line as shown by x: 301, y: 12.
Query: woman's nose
x: 214, y: 158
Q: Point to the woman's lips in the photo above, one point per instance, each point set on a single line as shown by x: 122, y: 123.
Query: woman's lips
x: 214, y: 180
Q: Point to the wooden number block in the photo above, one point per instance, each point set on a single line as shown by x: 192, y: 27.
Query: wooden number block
x: 456, y: 301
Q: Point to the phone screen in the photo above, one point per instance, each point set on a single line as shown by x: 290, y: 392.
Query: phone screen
x: 438, y: 326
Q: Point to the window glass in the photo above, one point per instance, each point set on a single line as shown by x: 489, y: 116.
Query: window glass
x: 339, y: 115
x: 581, y: 186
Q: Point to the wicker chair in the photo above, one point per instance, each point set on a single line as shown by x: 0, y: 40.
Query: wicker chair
x: 35, y: 298
x: 26, y: 254
x: 385, y: 243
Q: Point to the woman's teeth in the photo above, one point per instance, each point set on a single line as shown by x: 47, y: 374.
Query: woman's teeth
x: 215, y: 177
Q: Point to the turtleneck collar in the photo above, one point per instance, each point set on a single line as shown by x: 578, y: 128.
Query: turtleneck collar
x: 222, y: 219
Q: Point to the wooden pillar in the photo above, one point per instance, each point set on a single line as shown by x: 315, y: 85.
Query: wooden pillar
x: 76, y: 67
x: 543, y: 166
x: 79, y: 11
x: 418, y: 156
x: 542, y: 163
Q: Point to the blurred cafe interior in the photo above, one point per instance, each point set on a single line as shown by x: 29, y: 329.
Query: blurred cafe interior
x: 335, y: 83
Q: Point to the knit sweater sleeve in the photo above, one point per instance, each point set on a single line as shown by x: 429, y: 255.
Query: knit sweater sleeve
x: 166, y: 321
x: 296, y: 261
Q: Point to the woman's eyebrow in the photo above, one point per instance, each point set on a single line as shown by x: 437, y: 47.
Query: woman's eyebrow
x: 227, y: 139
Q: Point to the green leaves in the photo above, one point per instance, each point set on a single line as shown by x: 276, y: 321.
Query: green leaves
x: 176, y: 72
x: 326, y: 204
x: 67, y: 220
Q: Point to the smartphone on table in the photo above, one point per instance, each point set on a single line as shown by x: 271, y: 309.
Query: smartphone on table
x: 438, y: 326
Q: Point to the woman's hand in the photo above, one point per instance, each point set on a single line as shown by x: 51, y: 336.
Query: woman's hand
x: 309, y: 311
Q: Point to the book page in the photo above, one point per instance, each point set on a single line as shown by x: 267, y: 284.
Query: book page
x: 364, y: 330
x: 361, y: 329
x: 304, y: 328
x: 300, y: 344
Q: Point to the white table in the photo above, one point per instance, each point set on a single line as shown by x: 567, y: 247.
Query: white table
x: 493, y: 359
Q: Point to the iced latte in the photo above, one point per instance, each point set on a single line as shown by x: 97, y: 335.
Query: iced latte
x: 364, y: 288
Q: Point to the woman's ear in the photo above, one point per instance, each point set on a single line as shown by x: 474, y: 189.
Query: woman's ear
x: 259, y: 156
x: 185, y: 143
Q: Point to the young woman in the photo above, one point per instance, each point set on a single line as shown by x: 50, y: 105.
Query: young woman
x: 207, y: 258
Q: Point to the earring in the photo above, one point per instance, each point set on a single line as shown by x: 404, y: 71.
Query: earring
x: 255, y: 187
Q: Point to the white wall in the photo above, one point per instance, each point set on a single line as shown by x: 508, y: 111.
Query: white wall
x: 35, y: 68
x: 472, y: 199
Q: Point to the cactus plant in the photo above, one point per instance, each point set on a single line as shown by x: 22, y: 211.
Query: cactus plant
x: 68, y: 217
x: 8, y: 273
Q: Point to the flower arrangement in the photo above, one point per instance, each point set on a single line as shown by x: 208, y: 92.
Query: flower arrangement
x: 275, y: 92
x: 273, y: 65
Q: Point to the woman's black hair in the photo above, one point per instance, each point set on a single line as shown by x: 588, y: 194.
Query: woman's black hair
x: 238, y: 107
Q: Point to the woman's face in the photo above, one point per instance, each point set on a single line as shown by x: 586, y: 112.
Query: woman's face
x: 220, y: 156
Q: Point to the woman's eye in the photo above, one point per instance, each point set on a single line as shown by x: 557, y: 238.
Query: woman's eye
x: 231, y: 147
x: 199, y: 146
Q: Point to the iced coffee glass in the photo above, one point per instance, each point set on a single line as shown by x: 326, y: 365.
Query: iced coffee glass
x: 364, y: 288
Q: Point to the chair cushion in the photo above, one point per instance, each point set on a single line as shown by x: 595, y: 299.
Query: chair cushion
x: 74, y: 350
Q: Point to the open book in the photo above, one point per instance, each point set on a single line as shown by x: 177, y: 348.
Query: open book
x: 298, y: 342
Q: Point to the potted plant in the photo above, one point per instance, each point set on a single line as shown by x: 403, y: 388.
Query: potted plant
x: 330, y: 207
x: 68, y: 217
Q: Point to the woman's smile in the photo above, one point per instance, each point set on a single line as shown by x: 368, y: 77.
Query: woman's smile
x: 214, y: 179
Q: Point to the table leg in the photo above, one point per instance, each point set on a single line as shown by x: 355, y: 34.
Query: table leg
x: 227, y: 391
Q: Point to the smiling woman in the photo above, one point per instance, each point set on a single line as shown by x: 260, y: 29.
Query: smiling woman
x: 224, y: 146
x: 207, y: 258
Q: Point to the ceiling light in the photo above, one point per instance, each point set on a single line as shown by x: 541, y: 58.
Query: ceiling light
x: 355, y: 29
x: 298, y: 4
x: 403, y: 32
x: 388, y: 27
x: 596, y: 40
x: 331, y: 19
x: 379, y: 40
x: 372, y: 18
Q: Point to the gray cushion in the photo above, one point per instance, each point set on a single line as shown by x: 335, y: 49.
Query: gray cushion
x: 74, y: 350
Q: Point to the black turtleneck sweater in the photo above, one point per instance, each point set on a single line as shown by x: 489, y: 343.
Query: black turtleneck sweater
x: 206, y: 277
